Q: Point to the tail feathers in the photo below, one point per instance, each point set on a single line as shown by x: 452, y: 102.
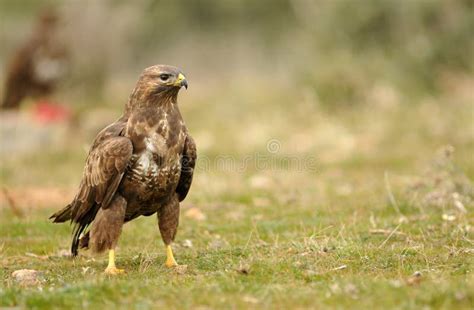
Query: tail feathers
x: 62, y: 215
x: 80, y: 224
x: 77, y: 241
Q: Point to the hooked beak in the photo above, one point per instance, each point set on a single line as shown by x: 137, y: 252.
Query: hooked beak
x: 181, y: 81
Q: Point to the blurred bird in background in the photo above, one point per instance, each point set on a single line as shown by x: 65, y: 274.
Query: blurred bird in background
x: 36, y: 68
x: 34, y: 72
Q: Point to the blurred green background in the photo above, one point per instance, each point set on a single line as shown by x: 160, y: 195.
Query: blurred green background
x: 337, y: 50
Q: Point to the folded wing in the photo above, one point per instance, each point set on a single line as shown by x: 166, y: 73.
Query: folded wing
x: 104, y: 169
x: 188, y: 161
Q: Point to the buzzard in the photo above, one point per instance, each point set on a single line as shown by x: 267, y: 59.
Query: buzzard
x: 140, y: 165
x: 37, y: 66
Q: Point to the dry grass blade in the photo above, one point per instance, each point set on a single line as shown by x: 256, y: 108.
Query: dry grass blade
x: 389, y: 236
x: 42, y: 257
x: 12, y: 204
x: 342, y: 267
x: 386, y: 232
x: 391, y: 197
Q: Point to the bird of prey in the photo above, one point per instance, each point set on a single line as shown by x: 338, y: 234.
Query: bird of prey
x: 140, y: 165
x: 37, y: 66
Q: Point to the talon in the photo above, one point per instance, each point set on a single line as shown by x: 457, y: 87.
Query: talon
x: 170, y: 261
x: 113, y: 271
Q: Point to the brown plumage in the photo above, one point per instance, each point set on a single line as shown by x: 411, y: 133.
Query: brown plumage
x: 37, y: 66
x: 140, y: 165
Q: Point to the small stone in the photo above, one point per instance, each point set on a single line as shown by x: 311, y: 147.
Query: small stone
x: 27, y: 277
x: 187, y: 243
x: 448, y: 217
x: 351, y: 289
x: 415, y: 279
x: 217, y: 243
x: 460, y: 296
x: 181, y: 269
x: 396, y: 283
x: 250, y: 299
x: 63, y: 253
x: 244, y: 269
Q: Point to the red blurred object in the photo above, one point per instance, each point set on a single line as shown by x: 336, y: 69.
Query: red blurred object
x: 49, y: 112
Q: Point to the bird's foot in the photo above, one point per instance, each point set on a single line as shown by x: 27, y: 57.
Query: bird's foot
x: 170, y: 262
x: 113, y: 271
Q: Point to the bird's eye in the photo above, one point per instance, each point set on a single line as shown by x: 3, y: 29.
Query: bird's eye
x: 164, y: 77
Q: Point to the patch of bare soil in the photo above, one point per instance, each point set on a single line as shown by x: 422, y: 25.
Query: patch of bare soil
x: 24, y: 198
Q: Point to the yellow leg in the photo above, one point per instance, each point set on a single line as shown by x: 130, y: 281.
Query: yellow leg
x: 170, y: 261
x: 111, y: 269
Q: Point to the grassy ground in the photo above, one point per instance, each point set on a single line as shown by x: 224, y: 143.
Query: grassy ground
x: 354, y: 229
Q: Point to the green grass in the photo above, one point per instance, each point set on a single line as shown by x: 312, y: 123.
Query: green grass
x: 276, y: 255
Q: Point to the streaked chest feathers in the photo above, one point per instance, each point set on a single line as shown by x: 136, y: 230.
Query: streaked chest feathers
x: 148, y: 162
x: 156, y: 168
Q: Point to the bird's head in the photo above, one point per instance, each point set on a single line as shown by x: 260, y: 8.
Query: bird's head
x: 163, y: 79
x: 157, y: 86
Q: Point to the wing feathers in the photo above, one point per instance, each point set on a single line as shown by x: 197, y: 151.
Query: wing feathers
x: 111, y: 191
x: 105, y: 166
x: 104, y: 169
x: 188, y: 161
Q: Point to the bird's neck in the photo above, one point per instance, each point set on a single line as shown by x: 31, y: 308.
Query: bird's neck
x: 148, y: 118
x: 152, y: 104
